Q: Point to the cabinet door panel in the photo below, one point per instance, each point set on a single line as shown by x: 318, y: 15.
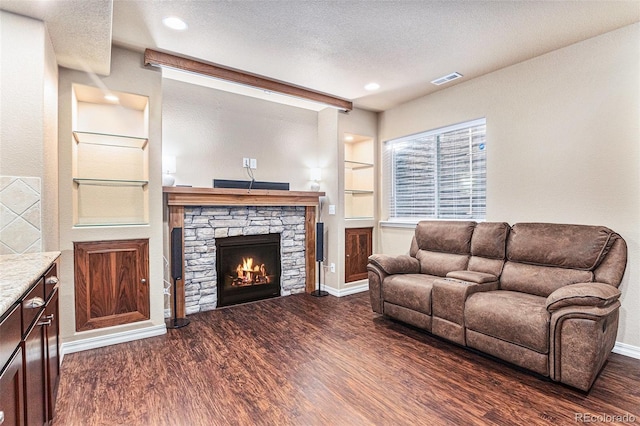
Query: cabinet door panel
x: 358, y: 248
x: 111, y: 283
x: 12, y: 392
x: 35, y: 379
x: 53, y: 352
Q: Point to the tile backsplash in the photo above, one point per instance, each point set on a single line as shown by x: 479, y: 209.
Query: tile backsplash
x: 20, y: 215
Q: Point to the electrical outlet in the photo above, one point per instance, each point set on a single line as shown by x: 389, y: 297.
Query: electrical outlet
x: 253, y: 163
x: 245, y: 162
x: 332, y: 268
x: 332, y: 209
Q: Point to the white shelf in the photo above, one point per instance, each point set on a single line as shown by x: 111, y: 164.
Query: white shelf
x: 358, y: 191
x: 357, y: 165
x: 110, y: 182
x: 121, y: 141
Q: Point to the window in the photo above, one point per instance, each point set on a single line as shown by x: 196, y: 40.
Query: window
x: 439, y: 174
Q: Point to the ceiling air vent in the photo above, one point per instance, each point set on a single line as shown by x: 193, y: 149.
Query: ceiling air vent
x: 447, y: 78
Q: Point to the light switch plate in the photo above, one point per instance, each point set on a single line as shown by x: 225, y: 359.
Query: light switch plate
x: 332, y: 209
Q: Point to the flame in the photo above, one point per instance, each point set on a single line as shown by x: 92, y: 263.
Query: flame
x: 246, y: 270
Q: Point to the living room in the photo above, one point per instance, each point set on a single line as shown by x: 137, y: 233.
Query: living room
x: 561, y: 129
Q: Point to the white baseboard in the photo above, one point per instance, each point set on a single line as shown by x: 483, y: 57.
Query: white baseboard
x: 347, y: 291
x: 111, y: 339
x: 627, y: 350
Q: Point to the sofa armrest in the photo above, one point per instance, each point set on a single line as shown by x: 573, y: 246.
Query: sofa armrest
x: 403, y: 264
x: 472, y: 277
x: 583, y: 294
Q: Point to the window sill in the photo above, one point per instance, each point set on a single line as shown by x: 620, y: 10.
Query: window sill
x: 411, y: 224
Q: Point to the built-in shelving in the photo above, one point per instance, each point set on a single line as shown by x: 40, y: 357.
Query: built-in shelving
x: 110, y: 160
x: 359, y: 178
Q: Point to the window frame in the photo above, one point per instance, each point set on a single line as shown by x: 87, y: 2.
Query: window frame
x: 389, y: 181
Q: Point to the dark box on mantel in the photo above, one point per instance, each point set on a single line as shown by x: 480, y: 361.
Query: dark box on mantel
x: 247, y: 184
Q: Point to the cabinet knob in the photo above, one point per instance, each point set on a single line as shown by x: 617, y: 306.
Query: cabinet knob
x: 35, y: 303
x: 52, y: 280
x: 143, y: 281
x: 1, y: 417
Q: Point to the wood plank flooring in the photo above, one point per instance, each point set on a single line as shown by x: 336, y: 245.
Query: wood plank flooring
x: 300, y: 360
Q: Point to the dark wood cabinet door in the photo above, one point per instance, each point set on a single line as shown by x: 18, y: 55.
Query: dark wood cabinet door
x: 53, y: 352
x: 12, y: 392
x: 35, y: 374
x: 111, y: 283
x: 358, y: 248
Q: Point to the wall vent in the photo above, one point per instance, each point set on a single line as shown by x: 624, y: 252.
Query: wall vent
x: 447, y: 78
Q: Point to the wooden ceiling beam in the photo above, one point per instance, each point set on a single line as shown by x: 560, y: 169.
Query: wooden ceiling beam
x: 161, y: 59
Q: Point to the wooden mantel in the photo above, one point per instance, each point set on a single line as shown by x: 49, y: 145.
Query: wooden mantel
x: 188, y: 196
x: 178, y: 197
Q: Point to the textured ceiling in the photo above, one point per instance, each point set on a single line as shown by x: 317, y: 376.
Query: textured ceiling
x: 80, y: 30
x: 337, y: 47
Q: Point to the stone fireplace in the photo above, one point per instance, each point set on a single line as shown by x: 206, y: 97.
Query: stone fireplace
x: 206, y: 228
x: 209, y: 215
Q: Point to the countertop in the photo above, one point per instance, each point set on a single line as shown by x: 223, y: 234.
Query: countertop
x: 18, y: 272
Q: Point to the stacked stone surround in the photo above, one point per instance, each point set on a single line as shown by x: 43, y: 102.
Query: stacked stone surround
x: 202, y: 225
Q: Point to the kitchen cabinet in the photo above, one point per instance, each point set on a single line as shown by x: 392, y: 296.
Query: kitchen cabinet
x: 358, y: 248
x: 111, y: 283
x: 28, y: 340
x: 11, y: 379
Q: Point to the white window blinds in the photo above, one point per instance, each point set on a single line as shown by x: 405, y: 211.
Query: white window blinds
x: 439, y: 174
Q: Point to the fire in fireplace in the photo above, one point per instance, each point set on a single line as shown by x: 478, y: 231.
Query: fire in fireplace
x: 248, y: 268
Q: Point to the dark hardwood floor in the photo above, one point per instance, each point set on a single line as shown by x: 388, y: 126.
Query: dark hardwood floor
x: 300, y: 360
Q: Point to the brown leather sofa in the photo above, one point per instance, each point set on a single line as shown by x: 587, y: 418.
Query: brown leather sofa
x: 538, y: 295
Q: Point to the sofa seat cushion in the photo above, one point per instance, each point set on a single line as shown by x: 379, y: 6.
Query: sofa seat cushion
x: 412, y: 291
x: 514, y: 317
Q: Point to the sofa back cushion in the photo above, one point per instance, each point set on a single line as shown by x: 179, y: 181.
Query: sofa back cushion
x: 542, y: 257
x: 565, y: 246
x: 539, y: 280
x: 488, y: 247
x: 445, y: 236
x: 443, y: 246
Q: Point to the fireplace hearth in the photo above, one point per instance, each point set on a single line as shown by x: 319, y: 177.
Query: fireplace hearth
x: 248, y: 268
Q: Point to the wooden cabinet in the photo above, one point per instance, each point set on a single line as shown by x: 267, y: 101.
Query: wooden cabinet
x: 52, y: 348
x: 34, y: 374
x: 358, y: 248
x: 111, y: 283
x: 11, y: 379
x: 12, y: 392
x: 28, y: 341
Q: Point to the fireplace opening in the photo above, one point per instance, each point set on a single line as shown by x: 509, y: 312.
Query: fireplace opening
x: 248, y: 268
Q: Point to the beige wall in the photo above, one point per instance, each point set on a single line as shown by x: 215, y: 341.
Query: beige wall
x: 209, y: 132
x: 28, y: 112
x: 130, y: 76
x: 563, y: 142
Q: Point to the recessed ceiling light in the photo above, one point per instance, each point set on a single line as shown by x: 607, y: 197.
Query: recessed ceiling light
x: 111, y: 98
x: 174, y: 23
x: 348, y: 138
x: 372, y: 86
